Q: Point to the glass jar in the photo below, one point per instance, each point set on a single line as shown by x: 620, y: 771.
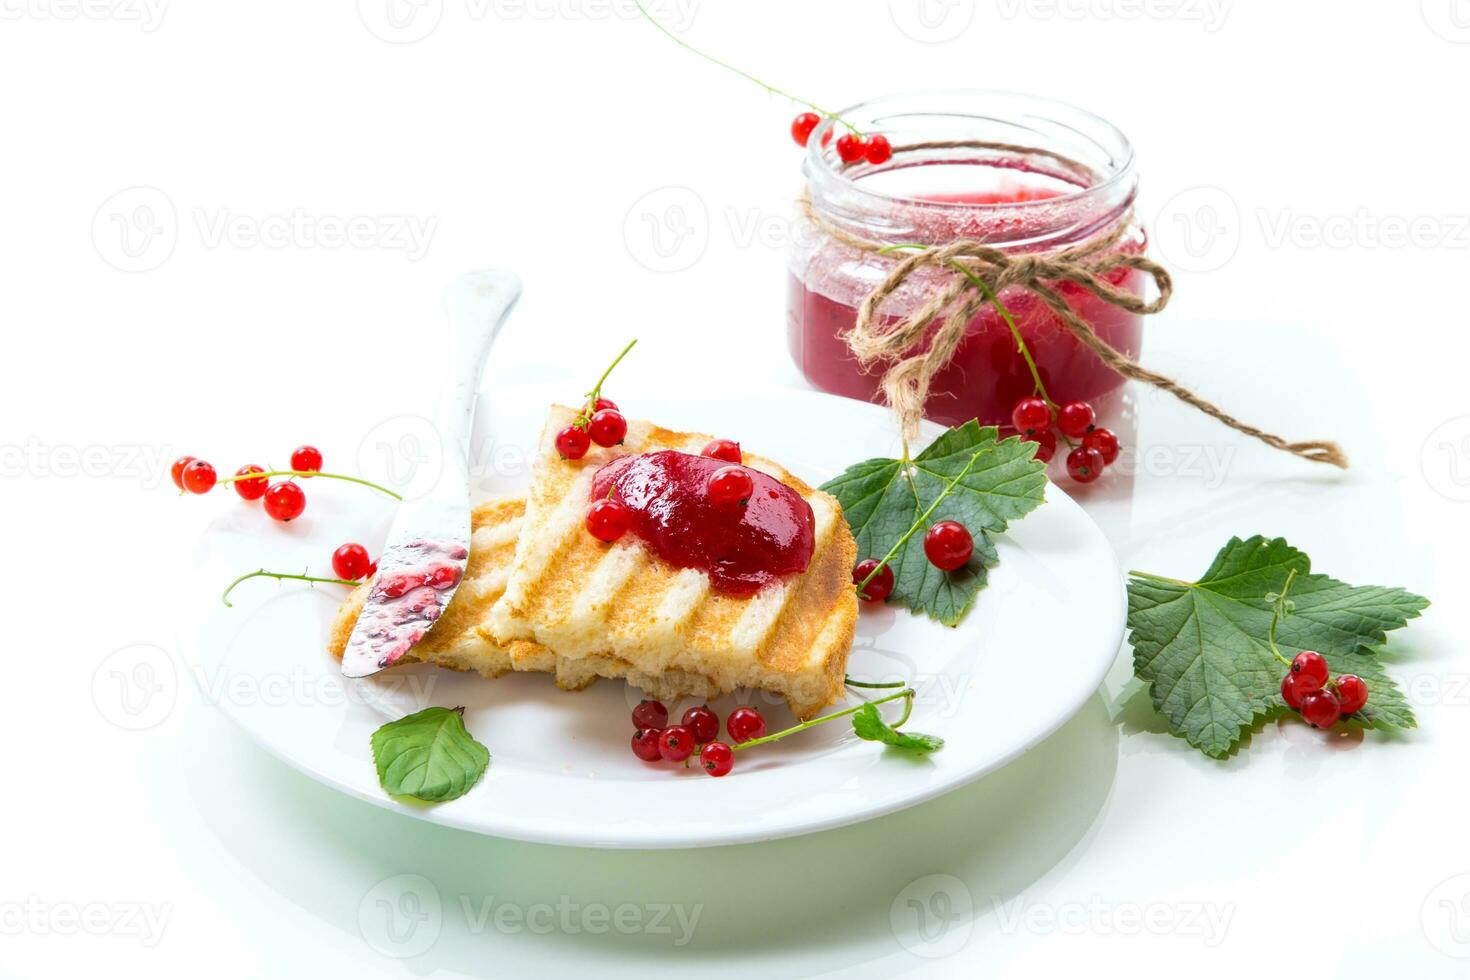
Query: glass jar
x: 1051, y: 177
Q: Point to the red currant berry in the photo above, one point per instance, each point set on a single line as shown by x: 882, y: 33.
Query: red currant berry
x: 717, y: 758
x: 650, y: 714
x: 1075, y: 418
x: 372, y: 570
x: 948, y: 545
x: 730, y: 486
x: 1103, y: 442
x: 882, y: 585
x: 1321, y: 709
x: 703, y: 722
x: 602, y: 403
x: 1289, y: 692
x: 802, y: 126
x: 1352, y: 693
x: 199, y: 476
x: 1031, y: 415
x: 879, y: 149
x: 745, y: 724
x: 444, y: 575
x: 723, y: 449
x: 573, y: 442
x: 177, y: 470
x: 645, y: 744
x: 1310, y: 668
x: 607, y: 427
x: 676, y: 743
x: 351, y: 561
x: 307, y: 459
x: 608, y: 520
x: 250, y: 489
x: 1084, y: 465
x: 850, y: 147
x: 285, y: 501
x: 1046, y: 444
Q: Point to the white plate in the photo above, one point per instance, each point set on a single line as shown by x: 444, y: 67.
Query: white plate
x: 1034, y: 648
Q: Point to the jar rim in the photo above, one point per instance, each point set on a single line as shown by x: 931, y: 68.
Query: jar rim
x: 1112, y: 165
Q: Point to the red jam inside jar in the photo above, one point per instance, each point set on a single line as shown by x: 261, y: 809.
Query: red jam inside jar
x: 1047, y: 177
x: 742, y: 548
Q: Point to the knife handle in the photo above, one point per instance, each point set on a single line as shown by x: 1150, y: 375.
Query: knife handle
x: 478, y: 304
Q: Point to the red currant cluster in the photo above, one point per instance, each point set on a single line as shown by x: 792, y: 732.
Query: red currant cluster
x: 284, y: 500
x: 851, y: 146
x: 600, y: 422
x: 1306, y: 689
x: 654, y: 738
x: 728, y: 486
x: 1096, y: 447
x: 947, y: 544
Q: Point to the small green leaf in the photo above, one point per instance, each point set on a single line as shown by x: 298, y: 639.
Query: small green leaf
x: 869, y: 724
x: 1202, y: 646
x: 429, y: 756
x: 882, y: 498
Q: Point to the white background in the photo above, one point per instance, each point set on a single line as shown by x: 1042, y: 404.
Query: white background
x: 1287, y: 151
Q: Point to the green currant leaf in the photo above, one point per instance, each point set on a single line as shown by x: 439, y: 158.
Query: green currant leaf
x: 882, y: 498
x: 869, y: 724
x: 1202, y: 646
x: 429, y: 756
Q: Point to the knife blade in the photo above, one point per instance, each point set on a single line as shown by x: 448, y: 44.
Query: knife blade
x: 428, y: 543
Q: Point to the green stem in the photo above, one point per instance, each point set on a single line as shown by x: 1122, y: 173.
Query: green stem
x: 1005, y: 315
x: 922, y: 519
x: 262, y: 573
x: 907, y: 693
x: 308, y: 473
x: 852, y: 683
x: 773, y: 90
x: 1279, y: 612
x: 596, y: 391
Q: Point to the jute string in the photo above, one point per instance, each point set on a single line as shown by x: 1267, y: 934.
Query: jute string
x: 911, y: 367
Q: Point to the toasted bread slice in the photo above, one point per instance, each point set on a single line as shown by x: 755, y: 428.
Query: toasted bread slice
x: 617, y: 609
x: 460, y: 641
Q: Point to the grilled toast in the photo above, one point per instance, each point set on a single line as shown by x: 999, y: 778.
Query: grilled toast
x: 616, y: 610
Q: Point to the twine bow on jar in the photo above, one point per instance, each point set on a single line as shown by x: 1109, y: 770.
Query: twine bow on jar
x: 914, y: 350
